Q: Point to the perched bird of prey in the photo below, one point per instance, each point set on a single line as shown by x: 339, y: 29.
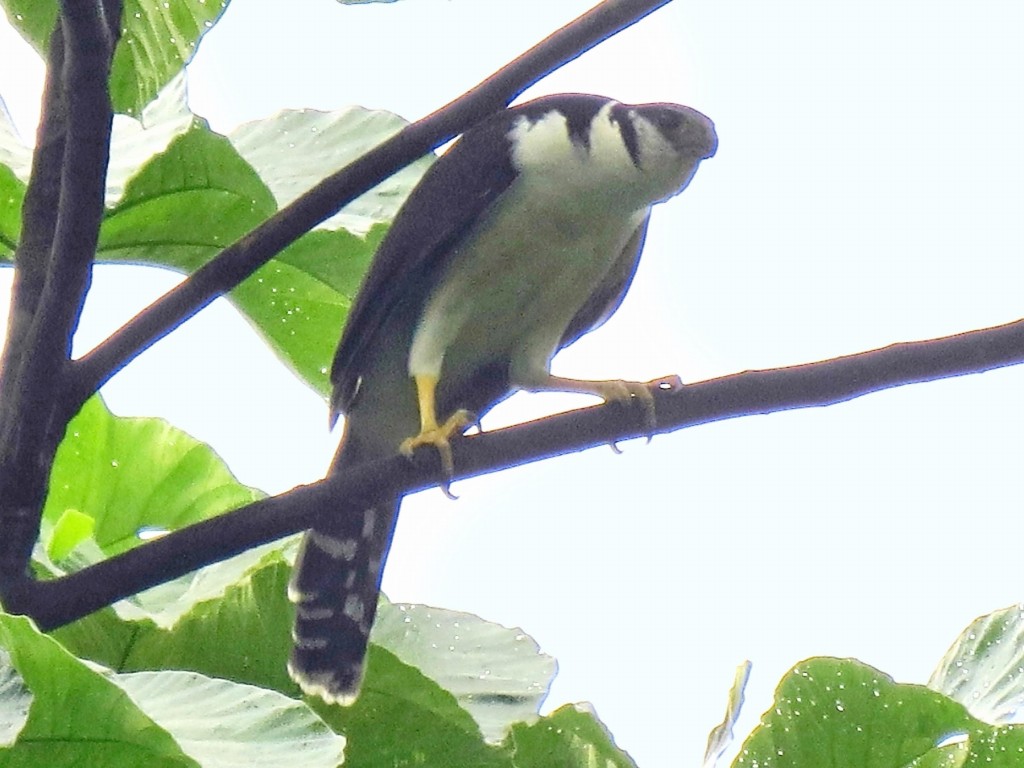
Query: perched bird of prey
x: 521, y: 238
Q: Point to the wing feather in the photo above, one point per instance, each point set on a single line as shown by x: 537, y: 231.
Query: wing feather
x: 441, y: 211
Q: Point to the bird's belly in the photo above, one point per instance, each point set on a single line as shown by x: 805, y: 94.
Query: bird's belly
x: 512, y: 290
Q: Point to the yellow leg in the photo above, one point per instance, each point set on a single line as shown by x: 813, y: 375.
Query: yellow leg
x: 432, y: 433
x: 616, y: 390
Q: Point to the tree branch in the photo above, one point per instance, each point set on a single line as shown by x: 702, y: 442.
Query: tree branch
x: 53, y: 269
x: 39, y: 210
x: 89, y: 50
x: 239, y: 260
x: 60, y: 601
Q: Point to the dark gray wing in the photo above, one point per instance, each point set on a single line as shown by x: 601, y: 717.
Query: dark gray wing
x: 440, y: 212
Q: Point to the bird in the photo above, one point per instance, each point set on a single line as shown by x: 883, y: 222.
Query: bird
x: 521, y: 238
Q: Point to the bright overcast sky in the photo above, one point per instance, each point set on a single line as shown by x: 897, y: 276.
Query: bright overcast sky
x: 868, y: 189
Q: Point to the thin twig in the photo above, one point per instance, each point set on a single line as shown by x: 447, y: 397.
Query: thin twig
x: 824, y: 383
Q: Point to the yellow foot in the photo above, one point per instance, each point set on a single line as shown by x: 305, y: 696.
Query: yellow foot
x: 439, y: 436
x: 639, y: 392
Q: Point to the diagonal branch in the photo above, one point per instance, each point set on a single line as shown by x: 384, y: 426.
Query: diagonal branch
x: 239, y: 260
x: 58, y: 602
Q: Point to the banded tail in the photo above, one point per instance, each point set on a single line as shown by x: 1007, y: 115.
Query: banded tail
x: 335, y: 587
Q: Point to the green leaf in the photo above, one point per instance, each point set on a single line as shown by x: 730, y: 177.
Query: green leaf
x: 15, y: 701
x: 133, y: 143
x: 71, y: 529
x: 296, y: 149
x: 77, y: 717
x: 244, y: 636
x: 15, y: 155
x: 159, y: 37
x: 947, y: 756
x: 299, y: 300
x: 136, y: 634
x: 570, y: 737
x: 496, y: 674
x: 427, y: 726
x: 721, y: 735
x: 199, y: 196
x: 402, y: 717
x: 186, y: 204
x: 836, y: 713
x: 1000, y: 748
x: 34, y: 20
x: 102, y: 637
x: 131, y: 473
x: 224, y: 724
x: 12, y: 193
x: 984, y: 668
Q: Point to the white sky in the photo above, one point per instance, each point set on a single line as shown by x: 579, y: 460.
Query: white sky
x: 867, y: 190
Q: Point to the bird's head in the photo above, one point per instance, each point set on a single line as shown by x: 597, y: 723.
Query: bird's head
x: 670, y: 141
x: 591, y: 147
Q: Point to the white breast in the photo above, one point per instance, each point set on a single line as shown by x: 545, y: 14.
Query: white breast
x: 523, y: 274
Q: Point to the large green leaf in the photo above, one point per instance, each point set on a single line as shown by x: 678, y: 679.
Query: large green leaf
x: 295, y: 149
x: 116, y: 479
x: 497, y: 674
x: 134, y: 141
x: 836, y: 713
x: 402, y: 717
x: 224, y: 724
x: 129, y: 474
x: 200, y: 195
x: 244, y: 636
x: 159, y: 37
x: 197, y: 195
x: 984, y: 668
x: 77, y: 717
x: 570, y: 737
x: 216, y: 722
x: 186, y: 204
x: 299, y: 300
x: 427, y: 726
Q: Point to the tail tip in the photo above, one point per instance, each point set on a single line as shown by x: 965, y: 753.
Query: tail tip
x: 333, y: 686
